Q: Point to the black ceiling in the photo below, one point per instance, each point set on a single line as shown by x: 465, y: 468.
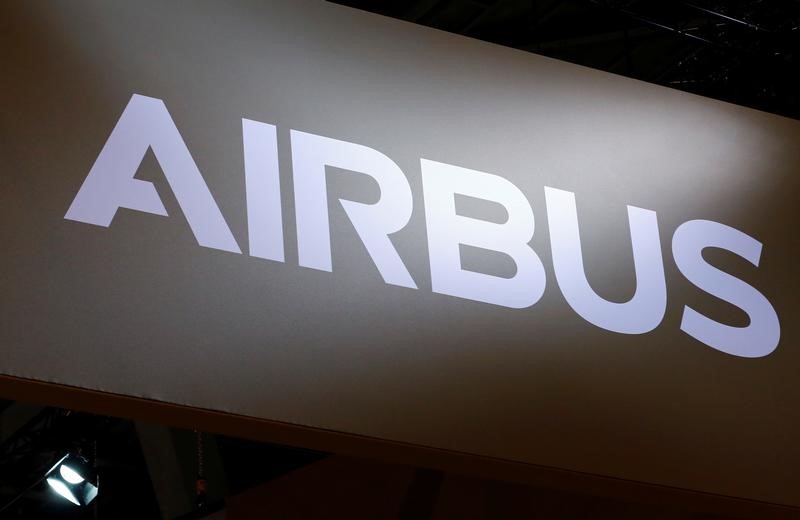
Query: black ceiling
x: 741, y: 51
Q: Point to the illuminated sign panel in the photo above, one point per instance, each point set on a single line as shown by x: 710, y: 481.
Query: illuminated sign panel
x: 406, y: 235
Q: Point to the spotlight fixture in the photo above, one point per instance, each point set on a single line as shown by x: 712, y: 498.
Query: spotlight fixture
x: 73, y: 479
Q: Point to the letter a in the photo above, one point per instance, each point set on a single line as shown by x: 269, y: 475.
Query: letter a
x: 146, y: 123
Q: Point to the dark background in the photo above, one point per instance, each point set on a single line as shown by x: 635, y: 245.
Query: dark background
x: 741, y: 51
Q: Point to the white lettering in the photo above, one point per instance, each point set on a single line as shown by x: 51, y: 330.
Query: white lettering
x: 146, y: 123
x: 645, y: 310
x: 264, y: 218
x: 761, y: 336
x: 446, y: 230
x: 373, y: 222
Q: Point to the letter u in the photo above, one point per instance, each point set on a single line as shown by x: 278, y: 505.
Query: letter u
x: 645, y: 310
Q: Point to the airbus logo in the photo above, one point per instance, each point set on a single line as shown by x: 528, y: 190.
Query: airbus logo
x: 146, y: 124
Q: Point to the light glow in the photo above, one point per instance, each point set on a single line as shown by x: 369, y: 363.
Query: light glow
x: 62, y: 489
x: 70, y: 475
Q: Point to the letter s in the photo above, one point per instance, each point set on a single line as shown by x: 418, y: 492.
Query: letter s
x: 761, y: 336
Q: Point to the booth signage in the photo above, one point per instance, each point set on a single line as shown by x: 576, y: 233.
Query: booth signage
x: 406, y: 236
